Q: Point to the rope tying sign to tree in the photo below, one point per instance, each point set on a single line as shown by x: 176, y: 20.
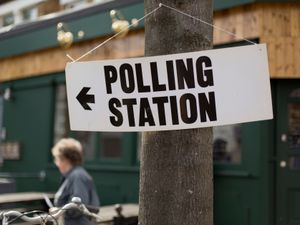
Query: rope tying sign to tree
x: 170, y: 92
x: 150, y: 13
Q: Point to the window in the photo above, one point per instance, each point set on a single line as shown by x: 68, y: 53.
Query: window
x: 17, y: 11
x: 139, y: 146
x: 8, y: 19
x: 294, y: 125
x: 111, y: 145
x: 1, y: 126
x: 294, y: 163
x: 62, y: 126
x: 227, y: 144
x: 295, y: 93
x: 71, y: 4
x: 87, y: 139
x: 103, y: 146
x: 30, y: 14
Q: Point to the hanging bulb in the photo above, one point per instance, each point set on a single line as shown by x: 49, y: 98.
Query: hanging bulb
x: 119, y: 24
x: 64, y: 36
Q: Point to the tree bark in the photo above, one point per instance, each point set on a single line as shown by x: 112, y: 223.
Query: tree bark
x: 176, y: 176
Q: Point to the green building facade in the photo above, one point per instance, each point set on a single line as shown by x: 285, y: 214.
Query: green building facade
x: 257, y: 165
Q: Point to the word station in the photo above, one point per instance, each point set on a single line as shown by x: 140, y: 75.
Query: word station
x: 181, y: 74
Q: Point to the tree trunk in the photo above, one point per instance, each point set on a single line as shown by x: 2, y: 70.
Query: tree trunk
x: 176, y: 177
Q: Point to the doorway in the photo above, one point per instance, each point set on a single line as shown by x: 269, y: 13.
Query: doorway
x: 287, y: 167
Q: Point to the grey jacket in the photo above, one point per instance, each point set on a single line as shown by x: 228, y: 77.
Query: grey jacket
x: 76, y: 183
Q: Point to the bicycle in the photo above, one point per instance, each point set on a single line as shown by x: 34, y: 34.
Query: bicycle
x: 46, y: 217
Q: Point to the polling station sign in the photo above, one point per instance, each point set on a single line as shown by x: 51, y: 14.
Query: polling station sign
x: 170, y: 92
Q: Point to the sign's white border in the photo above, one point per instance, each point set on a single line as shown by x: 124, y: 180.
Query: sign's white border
x: 241, y: 89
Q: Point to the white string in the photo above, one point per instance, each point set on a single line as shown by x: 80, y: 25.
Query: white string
x: 107, y: 40
x: 148, y: 14
x: 70, y: 57
x: 209, y: 24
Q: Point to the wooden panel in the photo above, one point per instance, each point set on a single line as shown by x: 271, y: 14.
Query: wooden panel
x: 50, y: 6
x: 277, y: 25
x: 284, y: 56
x: 295, y: 20
x: 281, y: 32
x: 281, y: 19
x: 272, y: 18
x: 54, y: 60
x: 251, y: 21
x: 243, y: 21
x: 297, y: 56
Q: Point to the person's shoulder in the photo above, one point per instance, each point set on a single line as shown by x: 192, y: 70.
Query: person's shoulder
x: 79, y: 173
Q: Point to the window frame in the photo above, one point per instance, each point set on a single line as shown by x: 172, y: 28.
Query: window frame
x: 129, y: 145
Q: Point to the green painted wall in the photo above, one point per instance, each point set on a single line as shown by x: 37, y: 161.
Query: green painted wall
x: 28, y: 119
x: 243, y: 193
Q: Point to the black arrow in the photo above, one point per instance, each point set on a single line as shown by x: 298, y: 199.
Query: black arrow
x: 83, y: 98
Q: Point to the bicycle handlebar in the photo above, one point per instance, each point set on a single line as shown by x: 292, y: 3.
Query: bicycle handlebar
x: 74, y: 204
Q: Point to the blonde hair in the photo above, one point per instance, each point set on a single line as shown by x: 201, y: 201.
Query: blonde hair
x: 70, y: 149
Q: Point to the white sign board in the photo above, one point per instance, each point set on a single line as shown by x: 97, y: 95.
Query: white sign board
x: 170, y: 92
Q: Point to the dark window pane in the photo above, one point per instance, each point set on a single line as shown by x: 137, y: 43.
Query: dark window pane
x: 294, y: 125
x: 62, y: 127
x: 111, y: 145
x: 30, y: 14
x: 87, y: 139
x: 295, y: 93
x: 227, y: 143
x: 294, y: 163
x: 1, y: 126
x: 139, y: 146
x: 8, y: 19
x: 61, y: 121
